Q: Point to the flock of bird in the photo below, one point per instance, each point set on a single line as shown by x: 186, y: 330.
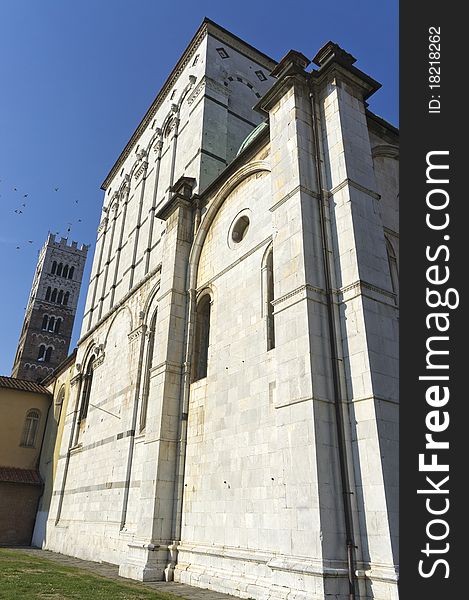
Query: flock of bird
x: 22, y: 205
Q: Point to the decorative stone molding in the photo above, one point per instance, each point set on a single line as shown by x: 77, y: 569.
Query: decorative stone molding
x: 141, y: 169
x: 137, y: 333
x: 385, y: 150
x: 75, y: 380
x: 211, y: 84
x: 361, y: 285
x: 173, y: 124
x: 125, y: 186
x: 98, y: 361
x: 357, y: 186
x: 103, y: 224
x: 298, y: 290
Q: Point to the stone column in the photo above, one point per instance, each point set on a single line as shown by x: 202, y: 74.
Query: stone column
x: 368, y: 310
x: 140, y: 172
x: 115, y: 208
x: 125, y: 191
x: 148, y: 554
x: 100, y: 243
x: 151, y: 215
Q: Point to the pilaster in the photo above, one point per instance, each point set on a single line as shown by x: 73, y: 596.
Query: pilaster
x: 149, y: 552
x: 367, y: 308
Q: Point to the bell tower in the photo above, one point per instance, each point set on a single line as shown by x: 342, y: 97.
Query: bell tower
x: 50, y: 314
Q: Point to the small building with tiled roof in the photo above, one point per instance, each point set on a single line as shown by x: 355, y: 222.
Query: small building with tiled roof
x: 24, y: 407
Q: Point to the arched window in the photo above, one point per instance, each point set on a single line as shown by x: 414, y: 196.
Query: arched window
x: 66, y: 297
x: 31, y: 424
x: 202, y: 337
x: 87, y: 383
x: 48, y: 293
x: 53, y: 297
x: 44, y: 322
x: 48, y: 354
x: 148, y: 367
x: 65, y: 271
x: 57, y: 325
x: 60, y: 297
x: 59, y: 269
x: 70, y: 273
x: 59, y: 404
x: 268, y: 289
x: 51, y: 324
x: 41, y: 353
x: 393, y: 268
x: 54, y: 267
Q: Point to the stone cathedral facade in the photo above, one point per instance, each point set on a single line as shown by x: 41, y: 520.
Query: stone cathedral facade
x: 233, y: 420
x: 48, y: 322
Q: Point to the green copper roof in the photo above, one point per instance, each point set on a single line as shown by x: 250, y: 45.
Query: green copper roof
x: 252, y: 136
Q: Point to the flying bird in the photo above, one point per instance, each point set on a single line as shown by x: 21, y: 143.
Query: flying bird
x: 56, y: 189
x: 15, y: 189
x: 25, y: 196
x: 30, y: 241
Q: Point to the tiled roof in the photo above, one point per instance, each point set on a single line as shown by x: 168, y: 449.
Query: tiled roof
x: 14, y: 475
x: 21, y: 384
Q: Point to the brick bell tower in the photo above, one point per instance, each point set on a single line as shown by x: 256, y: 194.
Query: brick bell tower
x: 50, y: 314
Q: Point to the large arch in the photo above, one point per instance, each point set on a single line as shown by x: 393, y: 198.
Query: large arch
x: 232, y: 183
x: 114, y: 317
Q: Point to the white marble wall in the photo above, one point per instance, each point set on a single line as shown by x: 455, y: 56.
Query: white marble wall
x: 262, y: 512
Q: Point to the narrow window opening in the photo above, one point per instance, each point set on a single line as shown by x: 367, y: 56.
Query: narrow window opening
x: 70, y: 273
x: 57, y: 325
x: 59, y: 269
x: 31, y: 423
x: 54, y: 267
x: 44, y: 323
x: 202, y: 337
x: 41, y: 353
x: 48, y: 293
x: 65, y: 272
x: 48, y: 354
x: 269, y: 271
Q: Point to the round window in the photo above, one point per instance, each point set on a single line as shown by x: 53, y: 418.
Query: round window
x: 240, y: 229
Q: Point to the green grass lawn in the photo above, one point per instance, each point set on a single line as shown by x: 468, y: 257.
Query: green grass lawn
x: 27, y: 577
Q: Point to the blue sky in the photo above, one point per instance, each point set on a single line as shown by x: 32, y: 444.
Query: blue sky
x: 77, y: 76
